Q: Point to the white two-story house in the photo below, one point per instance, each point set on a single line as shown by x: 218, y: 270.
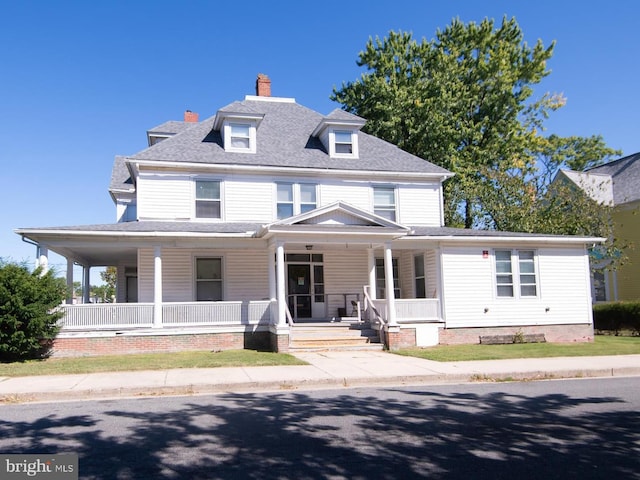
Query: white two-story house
x: 232, y: 231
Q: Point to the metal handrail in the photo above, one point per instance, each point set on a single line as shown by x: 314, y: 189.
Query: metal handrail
x: 368, y: 304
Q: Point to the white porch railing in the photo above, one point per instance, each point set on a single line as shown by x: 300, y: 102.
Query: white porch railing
x: 411, y: 309
x: 110, y: 316
x: 215, y: 313
x: 107, y: 316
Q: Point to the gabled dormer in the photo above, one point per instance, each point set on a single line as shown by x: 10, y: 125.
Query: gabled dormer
x: 339, y: 133
x: 238, y: 129
x: 171, y: 128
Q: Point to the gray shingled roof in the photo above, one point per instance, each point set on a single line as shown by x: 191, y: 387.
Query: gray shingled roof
x: 120, y: 178
x: 158, y: 226
x: 171, y: 127
x: 244, y: 228
x: 625, y: 173
x: 283, y: 140
x: 466, y: 232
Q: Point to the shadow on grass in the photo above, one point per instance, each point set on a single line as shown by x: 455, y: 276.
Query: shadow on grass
x: 413, y: 433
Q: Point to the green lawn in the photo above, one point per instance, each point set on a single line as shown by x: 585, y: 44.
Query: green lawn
x: 603, y: 345
x: 149, y: 361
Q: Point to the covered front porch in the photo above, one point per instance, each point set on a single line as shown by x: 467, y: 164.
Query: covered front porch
x: 332, y: 264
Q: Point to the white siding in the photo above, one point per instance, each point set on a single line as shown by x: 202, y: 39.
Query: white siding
x: 469, y: 289
x: 164, y: 197
x: 419, y: 205
x: 177, y: 275
x: 250, y: 200
x: 431, y: 272
x: 357, y: 194
x: 245, y: 275
x: 344, y: 273
x: 406, y: 275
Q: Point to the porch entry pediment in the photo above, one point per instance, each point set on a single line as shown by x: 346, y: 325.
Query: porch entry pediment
x: 337, y: 214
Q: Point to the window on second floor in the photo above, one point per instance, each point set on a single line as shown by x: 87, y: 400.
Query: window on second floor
x: 208, y: 202
x: 384, y: 202
x: 295, y: 198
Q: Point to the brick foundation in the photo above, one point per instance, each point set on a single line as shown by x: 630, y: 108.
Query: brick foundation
x: 552, y: 333
x: 279, y: 343
x: 113, y: 344
x: 396, y: 339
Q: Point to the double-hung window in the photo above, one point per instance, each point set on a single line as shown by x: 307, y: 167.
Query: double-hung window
x: 208, y: 279
x: 420, y: 279
x: 208, y: 199
x: 384, y: 202
x: 516, y: 273
x: 295, y: 198
x: 240, y: 136
x: 343, y: 142
x: 381, y: 281
x: 527, y: 271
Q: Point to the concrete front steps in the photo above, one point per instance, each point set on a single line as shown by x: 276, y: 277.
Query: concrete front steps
x: 347, y: 335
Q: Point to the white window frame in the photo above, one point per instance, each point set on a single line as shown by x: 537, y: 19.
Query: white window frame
x: 381, y: 279
x: 196, y: 280
x: 296, y: 202
x: 385, y: 208
x: 419, y: 259
x: 228, y: 145
x: 332, y: 143
x: 516, y: 274
x: 195, y: 199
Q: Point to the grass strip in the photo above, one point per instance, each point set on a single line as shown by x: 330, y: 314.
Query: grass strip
x: 147, y: 361
x: 602, y: 345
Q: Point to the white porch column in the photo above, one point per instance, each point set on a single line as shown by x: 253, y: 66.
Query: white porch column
x: 389, y: 286
x: 371, y: 264
x: 273, y: 292
x: 157, y: 287
x: 280, y: 277
x: 69, y: 281
x: 43, y: 260
x: 86, y: 283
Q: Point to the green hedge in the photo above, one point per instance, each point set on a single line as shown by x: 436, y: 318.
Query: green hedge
x: 617, y: 316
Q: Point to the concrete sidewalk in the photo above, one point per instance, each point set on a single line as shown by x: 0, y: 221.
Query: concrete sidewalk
x: 329, y: 369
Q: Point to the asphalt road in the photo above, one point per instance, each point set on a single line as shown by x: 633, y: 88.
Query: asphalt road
x: 582, y: 429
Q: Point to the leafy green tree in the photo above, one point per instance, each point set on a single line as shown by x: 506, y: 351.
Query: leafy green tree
x: 107, y: 291
x: 28, y: 314
x: 464, y: 101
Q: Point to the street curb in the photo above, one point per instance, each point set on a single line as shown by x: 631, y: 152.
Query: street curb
x: 327, y: 383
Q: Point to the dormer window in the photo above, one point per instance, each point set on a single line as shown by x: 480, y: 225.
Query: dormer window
x: 343, y: 142
x: 240, y: 135
x: 338, y: 132
x: 238, y: 130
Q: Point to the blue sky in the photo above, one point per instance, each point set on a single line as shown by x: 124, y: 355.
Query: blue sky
x: 82, y: 81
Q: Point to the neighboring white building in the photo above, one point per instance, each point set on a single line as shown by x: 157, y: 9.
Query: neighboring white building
x: 234, y: 229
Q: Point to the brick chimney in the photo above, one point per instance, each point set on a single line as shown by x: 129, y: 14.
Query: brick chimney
x: 263, y: 86
x: 190, y: 116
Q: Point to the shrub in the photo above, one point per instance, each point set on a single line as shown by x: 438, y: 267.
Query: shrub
x: 617, y: 316
x: 28, y: 313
